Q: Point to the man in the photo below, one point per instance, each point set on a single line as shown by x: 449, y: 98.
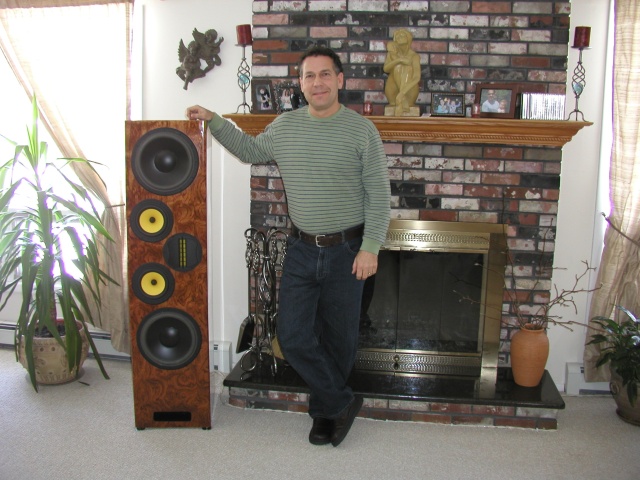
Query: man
x: 334, y: 171
x: 491, y: 104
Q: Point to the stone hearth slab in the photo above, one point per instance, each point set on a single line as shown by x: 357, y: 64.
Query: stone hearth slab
x: 435, y: 398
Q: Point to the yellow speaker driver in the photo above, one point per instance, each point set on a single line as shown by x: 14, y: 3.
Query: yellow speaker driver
x: 153, y: 284
x: 151, y: 221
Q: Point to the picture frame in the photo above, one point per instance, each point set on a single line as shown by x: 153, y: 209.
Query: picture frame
x: 262, y: 97
x: 288, y: 97
x: 447, y: 104
x: 497, y: 100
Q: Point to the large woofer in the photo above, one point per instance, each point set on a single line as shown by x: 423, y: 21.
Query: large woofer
x: 151, y: 220
x: 169, y: 338
x: 164, y: 161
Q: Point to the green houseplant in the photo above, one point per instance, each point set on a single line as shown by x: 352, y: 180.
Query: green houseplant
x: 50, y: 232
x: 621, y: 351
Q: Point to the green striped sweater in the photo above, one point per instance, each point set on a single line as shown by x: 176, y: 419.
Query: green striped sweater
x: 334, y: 169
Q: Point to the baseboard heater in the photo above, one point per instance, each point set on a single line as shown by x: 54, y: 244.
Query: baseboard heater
x: 577, y: 385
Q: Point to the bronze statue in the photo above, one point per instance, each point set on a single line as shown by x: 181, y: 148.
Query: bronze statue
x: 403, y: 67
x: 204, y: 47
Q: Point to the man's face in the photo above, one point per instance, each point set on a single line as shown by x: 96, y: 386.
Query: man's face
x: 320, y: 85
x: 491, y: 96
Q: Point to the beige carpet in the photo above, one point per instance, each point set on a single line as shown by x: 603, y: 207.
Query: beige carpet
x: 79, y: 431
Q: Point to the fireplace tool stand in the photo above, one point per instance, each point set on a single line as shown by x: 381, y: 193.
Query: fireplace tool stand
x: 264, y: 257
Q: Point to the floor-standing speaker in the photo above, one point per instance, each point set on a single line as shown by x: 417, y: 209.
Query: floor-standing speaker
x: 167, y: 249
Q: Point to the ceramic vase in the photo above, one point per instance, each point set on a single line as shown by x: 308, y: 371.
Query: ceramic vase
x: 529, y: 353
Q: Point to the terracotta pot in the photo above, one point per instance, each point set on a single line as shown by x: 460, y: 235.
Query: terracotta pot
x: 529, y: 353
x: 625, y: 411
x: 51, y: 360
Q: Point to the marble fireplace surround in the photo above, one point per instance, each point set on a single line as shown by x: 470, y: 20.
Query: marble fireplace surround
x: 494, y: 388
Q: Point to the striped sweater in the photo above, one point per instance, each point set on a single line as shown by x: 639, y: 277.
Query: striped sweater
x: 334, y: 169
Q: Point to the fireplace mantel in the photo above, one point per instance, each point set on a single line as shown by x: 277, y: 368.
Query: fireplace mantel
x: 497, y: 131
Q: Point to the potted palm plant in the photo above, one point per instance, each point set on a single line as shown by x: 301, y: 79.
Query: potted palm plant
x: 621, y: 340
x: 50, y: 232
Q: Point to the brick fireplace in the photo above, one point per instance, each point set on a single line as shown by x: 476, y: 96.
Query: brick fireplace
x: 444, y: 169
x: 492, y: 171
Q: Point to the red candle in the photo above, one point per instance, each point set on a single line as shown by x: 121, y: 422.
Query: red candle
x: 581, y: 39
x: 244, y: 35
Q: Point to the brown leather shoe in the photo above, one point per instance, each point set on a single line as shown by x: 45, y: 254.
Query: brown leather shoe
x: 321, y: 431
x: 344, y: 422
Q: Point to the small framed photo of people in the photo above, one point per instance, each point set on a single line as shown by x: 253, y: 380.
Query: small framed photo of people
x: 288, y: 97
x: 447, y: 104
x: 262, y: 98
x: 496, y: 100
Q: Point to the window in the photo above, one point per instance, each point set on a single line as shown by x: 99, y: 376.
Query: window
x: 75, y: 58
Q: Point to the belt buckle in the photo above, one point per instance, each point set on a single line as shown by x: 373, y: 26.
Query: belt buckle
x: 317, y: 238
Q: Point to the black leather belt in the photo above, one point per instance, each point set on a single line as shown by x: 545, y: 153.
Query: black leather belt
x: 330, y: 239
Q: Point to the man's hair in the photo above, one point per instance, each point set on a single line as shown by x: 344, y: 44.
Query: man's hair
x: 321, y: 51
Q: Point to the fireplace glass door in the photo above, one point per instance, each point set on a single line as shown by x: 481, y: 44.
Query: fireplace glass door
x: 425, y: 310
x: 421, y: 302
x: 424, y: 302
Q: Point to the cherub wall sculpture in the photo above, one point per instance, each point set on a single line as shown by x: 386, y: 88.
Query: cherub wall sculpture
x: 205, y: 46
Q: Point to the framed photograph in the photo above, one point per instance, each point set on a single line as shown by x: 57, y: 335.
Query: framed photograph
x: 447, y: 104
x: 262, y: 98
x: 288, y: 96
x: 497, y: 100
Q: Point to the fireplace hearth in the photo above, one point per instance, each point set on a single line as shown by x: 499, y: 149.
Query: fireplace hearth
x: 443, y: 399
x: 429, y: 341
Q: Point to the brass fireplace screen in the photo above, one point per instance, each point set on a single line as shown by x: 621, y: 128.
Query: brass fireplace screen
x: 435, y: 305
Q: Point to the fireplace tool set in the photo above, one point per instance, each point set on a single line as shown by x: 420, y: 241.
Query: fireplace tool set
x: 264, y: 257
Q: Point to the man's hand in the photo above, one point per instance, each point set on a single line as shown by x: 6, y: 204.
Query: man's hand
x: 365, y: 265
x: 196, y: 112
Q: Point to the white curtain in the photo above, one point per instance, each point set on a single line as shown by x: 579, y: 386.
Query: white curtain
x: 619, y: 272
x: 74, y: 56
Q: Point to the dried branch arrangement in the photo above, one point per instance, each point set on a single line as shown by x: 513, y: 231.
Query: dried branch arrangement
x: 521, y: 308
x: 537, y: 316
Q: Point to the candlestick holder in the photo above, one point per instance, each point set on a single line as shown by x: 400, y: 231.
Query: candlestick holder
x: 578, y: 83
x: 244, y: 79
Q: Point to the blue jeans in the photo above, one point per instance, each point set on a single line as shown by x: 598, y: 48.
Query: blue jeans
x: 318, y: 320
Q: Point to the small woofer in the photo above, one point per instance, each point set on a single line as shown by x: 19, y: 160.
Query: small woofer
x: 182, y: 252
x: 153, y: 283
x: 169, y: 338
x: 151, y: 220
x: 165, y: 161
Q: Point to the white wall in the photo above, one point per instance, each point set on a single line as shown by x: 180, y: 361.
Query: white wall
x: 166, y: 22
x: 579, y: 232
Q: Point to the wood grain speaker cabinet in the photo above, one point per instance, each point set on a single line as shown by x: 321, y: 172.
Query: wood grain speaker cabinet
x: 167, y: 272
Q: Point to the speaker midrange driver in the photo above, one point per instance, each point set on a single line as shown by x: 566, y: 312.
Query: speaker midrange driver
x: 153, y: 283
x: 151, y: 220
